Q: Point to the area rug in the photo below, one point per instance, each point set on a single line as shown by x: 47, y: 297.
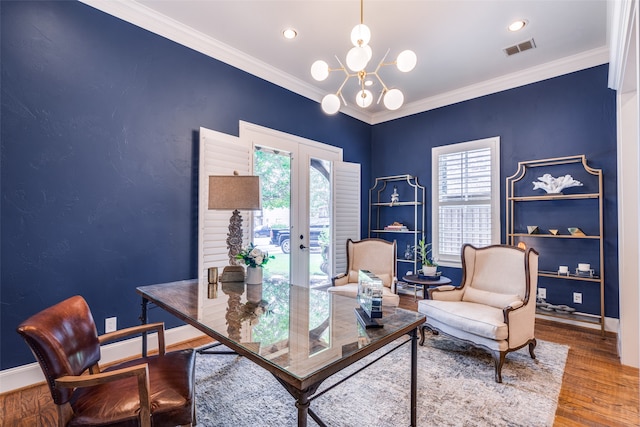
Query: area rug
x: 456, y: 387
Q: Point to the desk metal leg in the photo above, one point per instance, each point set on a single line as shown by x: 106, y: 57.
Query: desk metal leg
x: 144, y: 318
x: 414, y: 375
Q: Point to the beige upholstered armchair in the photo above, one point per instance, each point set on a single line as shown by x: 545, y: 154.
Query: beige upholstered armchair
x: 376, y: 255
x: 494, y: 307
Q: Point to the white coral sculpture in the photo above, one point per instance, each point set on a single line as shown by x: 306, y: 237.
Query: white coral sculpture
x: 555, y: 185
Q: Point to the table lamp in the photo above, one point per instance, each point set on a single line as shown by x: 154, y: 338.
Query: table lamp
x: 234, y: 192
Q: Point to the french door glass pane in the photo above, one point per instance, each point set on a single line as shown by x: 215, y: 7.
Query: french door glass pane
x: 272, y: 223
x: 319, y: 222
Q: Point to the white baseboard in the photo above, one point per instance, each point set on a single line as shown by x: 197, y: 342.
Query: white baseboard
x: 28, y: 375
x: 610, y: 324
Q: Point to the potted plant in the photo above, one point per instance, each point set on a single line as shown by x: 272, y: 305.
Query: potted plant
x: 254, y: 258
x: 423, y: 251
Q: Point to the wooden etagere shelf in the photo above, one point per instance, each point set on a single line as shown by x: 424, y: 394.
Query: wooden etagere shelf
x: 520, y: 202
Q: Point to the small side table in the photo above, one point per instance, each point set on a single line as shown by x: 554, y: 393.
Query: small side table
x: 416, y: 281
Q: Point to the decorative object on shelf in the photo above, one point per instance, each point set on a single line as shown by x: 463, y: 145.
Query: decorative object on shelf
x: 522, y: 245
x: 553, y: 231
x: 584, y: 269
x: 357, y: 60
x: 545, y: 306
x: 533, y: 229
x: 395, y: 197
x: 408, y: 253
x: 555, y: 185
x: 581, y: 273
x: 575, y: 231
x: 563, y: 270
x: 396, y: 226
x: 234, y: 192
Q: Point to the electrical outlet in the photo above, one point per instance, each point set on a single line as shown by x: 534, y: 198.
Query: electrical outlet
x: 110, y: 324
x: 542, y: 293
x: 577, y: 297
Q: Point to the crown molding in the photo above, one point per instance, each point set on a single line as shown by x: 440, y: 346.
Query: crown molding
x: 549, y: 70
x: 148, y: 19
x: 621, y: 16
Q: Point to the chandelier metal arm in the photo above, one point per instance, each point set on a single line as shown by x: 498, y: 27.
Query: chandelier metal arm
x: 357, y: 59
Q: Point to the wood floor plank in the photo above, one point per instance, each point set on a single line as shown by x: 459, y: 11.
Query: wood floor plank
x: 596, y: 389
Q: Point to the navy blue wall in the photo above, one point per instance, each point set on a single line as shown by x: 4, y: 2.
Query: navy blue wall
x: 99, y: 153
x: 564, y: 116
x: 99, y: 136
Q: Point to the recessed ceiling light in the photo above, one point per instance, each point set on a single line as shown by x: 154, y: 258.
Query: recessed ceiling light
x: 368, y: 83
x: 517, y: 25
x: 289, y: 33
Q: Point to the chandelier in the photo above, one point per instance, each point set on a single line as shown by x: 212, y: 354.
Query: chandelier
x: 357, y: 60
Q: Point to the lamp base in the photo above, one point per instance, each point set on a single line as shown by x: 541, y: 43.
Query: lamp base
x: 232, y: 273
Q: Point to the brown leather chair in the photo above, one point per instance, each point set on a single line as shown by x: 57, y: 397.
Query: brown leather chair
x: 155, y: 390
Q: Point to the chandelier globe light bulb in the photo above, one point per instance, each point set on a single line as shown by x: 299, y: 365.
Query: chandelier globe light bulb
x: 369, y: 52
x: 393, y: 99
x: 357, y: 59
x: 331, y: 103
x: 406, y: 61
x: 320, y: 70
x: 355, y: 64
x: 364, y: 98
x: 360, y: 35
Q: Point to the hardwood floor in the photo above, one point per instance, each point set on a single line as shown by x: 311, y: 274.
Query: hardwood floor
x: 596, y: 389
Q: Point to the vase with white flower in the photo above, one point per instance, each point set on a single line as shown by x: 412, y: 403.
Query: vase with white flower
x: 423, y: 250
x: 255, y: 258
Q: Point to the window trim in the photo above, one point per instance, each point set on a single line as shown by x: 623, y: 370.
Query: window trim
x: 493, y: 144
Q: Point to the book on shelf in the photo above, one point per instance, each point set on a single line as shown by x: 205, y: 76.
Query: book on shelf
x: 396, y: 226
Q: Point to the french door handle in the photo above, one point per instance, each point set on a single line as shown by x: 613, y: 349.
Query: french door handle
x: 302, y: 246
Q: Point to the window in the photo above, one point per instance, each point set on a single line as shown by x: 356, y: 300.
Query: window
x: 466, y: 206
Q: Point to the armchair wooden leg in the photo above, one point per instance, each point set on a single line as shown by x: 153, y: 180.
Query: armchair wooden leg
x: 532, y: 346
x: 423, y: 332
x: 498, y: 361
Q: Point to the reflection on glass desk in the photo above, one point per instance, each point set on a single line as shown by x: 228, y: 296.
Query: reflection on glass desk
x: 301, y: 335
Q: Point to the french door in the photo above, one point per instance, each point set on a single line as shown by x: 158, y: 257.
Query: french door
x: 301, y: 226
x: 313, y: 200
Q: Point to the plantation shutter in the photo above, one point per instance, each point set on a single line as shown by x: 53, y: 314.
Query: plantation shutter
x: 346, y: 211
x: 465, y: 197
x: 220, y: 154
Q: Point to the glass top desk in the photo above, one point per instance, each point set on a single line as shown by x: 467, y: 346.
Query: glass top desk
x: 300, y: 335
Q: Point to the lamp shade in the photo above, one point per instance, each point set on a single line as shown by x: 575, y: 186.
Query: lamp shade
x: 230, y: 192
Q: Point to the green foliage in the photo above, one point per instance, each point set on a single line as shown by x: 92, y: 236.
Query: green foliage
x: 254, y: 256
x: 274, y: 171
x: 424, y: 253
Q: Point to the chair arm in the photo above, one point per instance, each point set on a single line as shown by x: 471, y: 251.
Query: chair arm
x: 445, y: 293
x: 514, y: 305
x: 141, y: 372
x: 340, y: 279
x: 394, y: 285
x: 137, y: 330
x: 521, y: 322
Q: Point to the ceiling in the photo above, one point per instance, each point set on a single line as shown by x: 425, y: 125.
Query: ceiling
x: 459, y: 43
